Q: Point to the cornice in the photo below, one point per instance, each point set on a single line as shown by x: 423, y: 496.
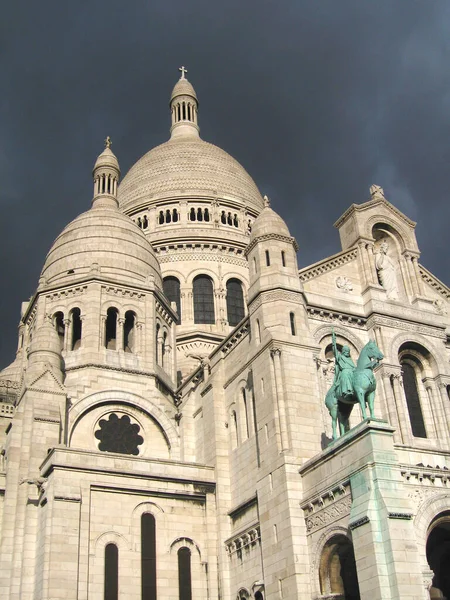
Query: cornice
x: 328, y: 264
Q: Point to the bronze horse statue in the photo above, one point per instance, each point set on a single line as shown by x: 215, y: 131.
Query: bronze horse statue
x: 363, y: 386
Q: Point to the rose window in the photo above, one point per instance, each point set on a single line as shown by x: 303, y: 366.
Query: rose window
x: 119, y: 434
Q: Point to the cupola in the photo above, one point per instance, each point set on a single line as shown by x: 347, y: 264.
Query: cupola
x: 106, y: 175
x: 184, y: 108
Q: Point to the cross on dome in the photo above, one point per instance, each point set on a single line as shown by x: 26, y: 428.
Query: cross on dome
x: 183, y: 72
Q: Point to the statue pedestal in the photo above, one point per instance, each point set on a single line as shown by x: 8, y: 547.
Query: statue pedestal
x: 379, y: 522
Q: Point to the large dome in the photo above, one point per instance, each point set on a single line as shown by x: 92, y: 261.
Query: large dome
x: 103, y: 240
x: 187, y: 167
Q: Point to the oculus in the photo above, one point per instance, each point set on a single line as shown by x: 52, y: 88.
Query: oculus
x: 119, y: 434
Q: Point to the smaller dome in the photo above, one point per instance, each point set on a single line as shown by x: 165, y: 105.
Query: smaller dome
x: 268, y: 222
x: 183, y: 87
x: 104, y: 241
x: 12, y: 372
x: 45, y: 339
x: 107, y: 159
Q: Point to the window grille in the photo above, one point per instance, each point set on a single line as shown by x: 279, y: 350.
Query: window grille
x: 235, y: 302
x: 203, y: 300
x: 171, y: 287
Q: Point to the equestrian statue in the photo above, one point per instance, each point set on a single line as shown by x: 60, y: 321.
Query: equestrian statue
x: 352, y: 384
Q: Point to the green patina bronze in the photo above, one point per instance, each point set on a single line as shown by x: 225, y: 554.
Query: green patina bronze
x: 352, y: 384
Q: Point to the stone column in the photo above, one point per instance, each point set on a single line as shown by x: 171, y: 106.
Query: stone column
x: 67, y: 334
x: 406, y: 277
x: 391, y: 406
x: 138, y: 337
x: 411, y: 273
x: 373, y: 277
x: 102, y: 335
x: 119, y: 333
x: 436, y: 419
x: 279, y: 391
x: 402, y: 408
x: 415, y: 262
x: 362, y: 254
x: 445, y: 402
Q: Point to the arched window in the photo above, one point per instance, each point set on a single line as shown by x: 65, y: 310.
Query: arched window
x: 413, y: 400
x: 148, y: 557
x: 163, y: 349
x: 168, y: 216
x: 145, y: 222
x: 337, y: 570
x: 75, y: 317
x: 184, y: 574
x: 245, y: 415
x: 234, y: 429
x: 111, y: 588
x: 58, y: 320
x: 283, y: 258
x: 235, y: 302
x: 258, y: 331
x: 192, y: 214
x: 292, y: 319
x: 199, y: 214
x: 203, y: 300
x: 175, y: 215
x: 267, y: 258
x: 223, y: 218
x: 139, y: 222
x: 161, y: 217
x: 157, y: 336
x: 129, y: 331
x: 171, y: 288
x: 235, y: 221
x: 111, y: 328
x: 206, y: 214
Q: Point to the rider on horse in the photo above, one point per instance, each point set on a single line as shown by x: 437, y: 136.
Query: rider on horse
x: 343, y: 373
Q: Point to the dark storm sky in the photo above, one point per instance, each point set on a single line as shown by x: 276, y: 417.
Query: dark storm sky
x: 318, y: 99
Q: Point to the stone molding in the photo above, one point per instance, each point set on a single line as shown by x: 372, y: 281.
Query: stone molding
x: 434, y: 282
x: 246, y: 539
x: 324, y: 314
x: 9, y: 384
x: 271, y: 236
x: 359, y: 523
x: 328, y: 264
x: 426, y: 330
x: 328, y: 507
x: 238, y: 335
x: 67, y: 293
x: 121, y: 291
x: 273, y: 296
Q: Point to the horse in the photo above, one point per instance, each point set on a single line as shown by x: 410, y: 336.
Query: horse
x: 364, y: 386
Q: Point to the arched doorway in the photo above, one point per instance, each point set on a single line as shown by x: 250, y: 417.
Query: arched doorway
x: 337, y: 571
x: 438, y: 556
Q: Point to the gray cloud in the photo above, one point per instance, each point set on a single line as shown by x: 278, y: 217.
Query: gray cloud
x: 317, y: 100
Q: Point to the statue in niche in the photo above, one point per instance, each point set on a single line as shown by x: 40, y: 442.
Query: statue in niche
x: 352, y: 385
x: 386, y: 271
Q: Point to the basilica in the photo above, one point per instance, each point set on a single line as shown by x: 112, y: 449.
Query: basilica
x: 177, y: 422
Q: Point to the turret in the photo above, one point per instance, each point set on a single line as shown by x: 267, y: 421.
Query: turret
x: 106, y: 178
x: 184, y: 108
x: 271, y: 254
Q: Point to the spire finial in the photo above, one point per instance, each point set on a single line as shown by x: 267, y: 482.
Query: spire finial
x: 108, y: 142
x: 183, y: 72
x: 266, y: 201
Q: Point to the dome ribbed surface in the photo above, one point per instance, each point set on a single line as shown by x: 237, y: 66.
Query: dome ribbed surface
x: 183, y: 88
x: 102, y: 240
x: 269, y: 222
x: 187, y: 167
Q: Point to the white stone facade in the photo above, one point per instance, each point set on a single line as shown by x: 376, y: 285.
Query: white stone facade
x: 172, y: 441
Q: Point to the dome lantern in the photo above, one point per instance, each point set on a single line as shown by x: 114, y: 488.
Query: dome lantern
x: 184, y: 108
x: 106, y: 175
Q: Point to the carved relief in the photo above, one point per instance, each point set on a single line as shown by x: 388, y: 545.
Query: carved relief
x: 331, y: 506
x: 344, y: 284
